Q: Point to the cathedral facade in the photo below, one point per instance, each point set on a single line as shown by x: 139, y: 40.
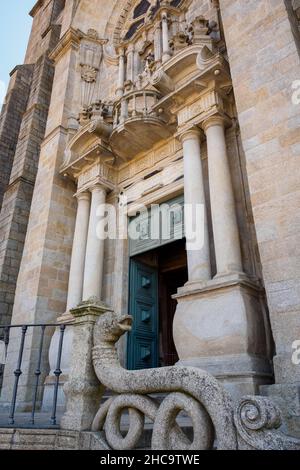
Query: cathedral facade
x: 150, y: 161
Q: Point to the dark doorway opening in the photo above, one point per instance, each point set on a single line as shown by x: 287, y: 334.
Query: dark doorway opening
x: 168, y: 264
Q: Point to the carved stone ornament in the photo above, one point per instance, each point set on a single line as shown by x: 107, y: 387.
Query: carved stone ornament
x: 254, y: 424
x: 90, y: 57
x: 93, y: 34
x: 88, y: 73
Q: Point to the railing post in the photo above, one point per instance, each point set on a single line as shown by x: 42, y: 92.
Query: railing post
x: 17, y: 373
x: 124, y: 110
x: 37, y: 375
x: 83, y: 390
x: 57, y: 374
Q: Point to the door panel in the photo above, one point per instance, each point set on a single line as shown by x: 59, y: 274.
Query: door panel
x: 142, y: 350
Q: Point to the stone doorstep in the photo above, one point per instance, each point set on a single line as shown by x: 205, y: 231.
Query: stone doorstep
x: 37, y: 439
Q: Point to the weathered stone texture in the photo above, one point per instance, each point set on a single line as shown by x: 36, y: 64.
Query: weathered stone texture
x: 17, y: 199
x: 13, y: 219
x: 43, y: 279
x: 10, y: 120
x: 45, y: 14
x: 264, y: 63
x: 263, y: 178
x: 293, y: 9
x: 25, y: 439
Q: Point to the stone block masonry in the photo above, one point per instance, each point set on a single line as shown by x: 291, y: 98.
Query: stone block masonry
x: 10, y: 120
x: 260, y: 41
x: 17, y: 198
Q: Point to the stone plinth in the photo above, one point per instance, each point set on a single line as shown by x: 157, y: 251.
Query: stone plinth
x: 219, y: 327
x: 83, y: 390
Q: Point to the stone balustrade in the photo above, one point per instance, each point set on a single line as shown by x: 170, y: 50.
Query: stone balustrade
x: 137, y: 104
x: 134, y: 114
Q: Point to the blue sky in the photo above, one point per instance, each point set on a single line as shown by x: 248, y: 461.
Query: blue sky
x: 15, y: 25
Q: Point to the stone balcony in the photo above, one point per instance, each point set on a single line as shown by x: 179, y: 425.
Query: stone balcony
x: 136, y: 125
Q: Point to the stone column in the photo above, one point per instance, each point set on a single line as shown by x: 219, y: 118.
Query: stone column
x: 93, y: 271
x: 130, y: 63
x: 198, y: 260
x: 79, y: 250
x: 165, y: 37
x: 225, y: 227
x: 136, y: 64
x: 74, y: 298
x: 121, y: 80
x: 157, y: 42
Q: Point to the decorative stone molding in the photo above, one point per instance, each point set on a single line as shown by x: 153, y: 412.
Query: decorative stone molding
x: 158, y: 157
x: 70, y: 40
x: 215, y: 120
x: 98, y: 173
x: 162, y: 82
x: 162, y: 179
x: 200, y: 29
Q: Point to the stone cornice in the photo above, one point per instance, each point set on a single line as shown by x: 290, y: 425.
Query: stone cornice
x: 36, y: 7
x: 58, y: 130
x: 70, y: 40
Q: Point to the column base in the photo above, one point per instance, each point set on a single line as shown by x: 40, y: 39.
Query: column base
x: 287, y: 397
x: 219, y: 327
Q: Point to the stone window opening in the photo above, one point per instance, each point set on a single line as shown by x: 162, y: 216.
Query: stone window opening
x: 141, y: 9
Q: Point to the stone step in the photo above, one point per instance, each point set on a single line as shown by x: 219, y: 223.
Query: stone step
x: 46, y: 430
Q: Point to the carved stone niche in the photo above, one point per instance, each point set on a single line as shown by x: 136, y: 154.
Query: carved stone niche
x: 91, y: 53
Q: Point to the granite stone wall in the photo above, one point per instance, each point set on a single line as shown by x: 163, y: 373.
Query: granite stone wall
x: 264, y: 61
x: 22, y: 130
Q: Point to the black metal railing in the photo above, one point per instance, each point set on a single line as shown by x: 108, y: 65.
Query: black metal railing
x: 36, y: 370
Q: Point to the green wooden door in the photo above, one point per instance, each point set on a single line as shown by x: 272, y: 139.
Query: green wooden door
x: 142, y: 350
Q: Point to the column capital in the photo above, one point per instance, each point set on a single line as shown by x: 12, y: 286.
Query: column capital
x: 191, y: 133
x: 215, y: 120
x: 97, y: 187
x: 130, y: 48
x: 157, y: 26
x: 83, y: 196
x: 121, y: 52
